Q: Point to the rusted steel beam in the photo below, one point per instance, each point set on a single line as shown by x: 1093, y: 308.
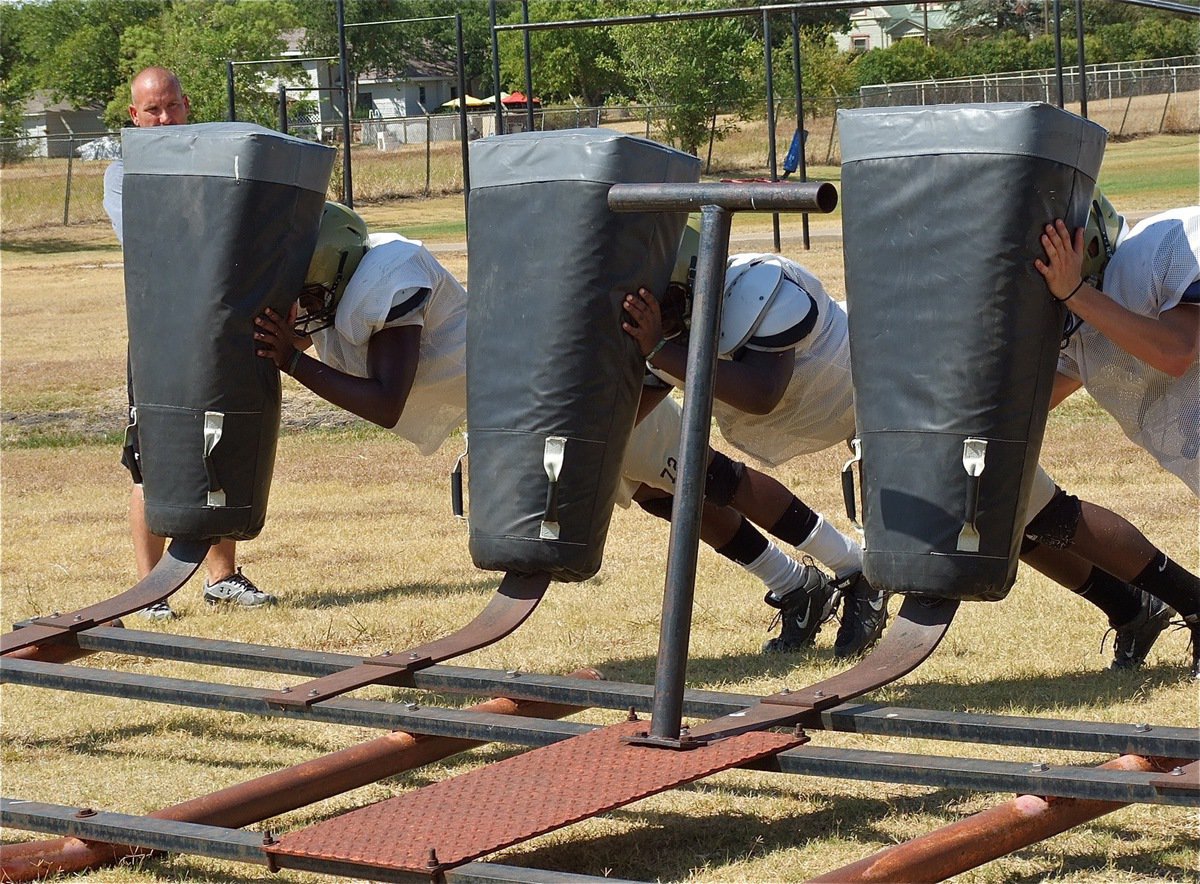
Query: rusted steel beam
x: 274, y: 793
x: 63, y: 650
x: 179, y: 562
x: 983, y: 837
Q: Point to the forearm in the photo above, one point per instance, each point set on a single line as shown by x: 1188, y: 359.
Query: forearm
x: 754, y: 385
x: 368, y: 398
x: 1167, y: 343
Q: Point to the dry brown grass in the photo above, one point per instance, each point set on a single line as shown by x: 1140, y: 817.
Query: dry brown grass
x: 360, y: 547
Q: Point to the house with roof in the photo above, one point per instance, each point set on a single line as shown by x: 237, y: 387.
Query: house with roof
x: 878, y: 27
x: 415, y: 88
x: 54, y: 128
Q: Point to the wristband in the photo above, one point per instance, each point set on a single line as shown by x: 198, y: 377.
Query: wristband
x: 290, y: 368
x: 1073, y: 291
x: 662, y: 342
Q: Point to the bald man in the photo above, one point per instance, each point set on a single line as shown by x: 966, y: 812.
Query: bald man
x: 156, y: 98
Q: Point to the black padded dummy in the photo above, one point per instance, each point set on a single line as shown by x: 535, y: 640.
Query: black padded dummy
x: 953, y: 334
x: 548, y: 267
x: 219, y: 220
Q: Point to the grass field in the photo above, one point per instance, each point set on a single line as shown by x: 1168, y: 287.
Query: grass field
x: 361, y: 549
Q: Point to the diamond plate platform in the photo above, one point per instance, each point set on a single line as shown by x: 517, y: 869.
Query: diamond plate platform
x: 470, y: 816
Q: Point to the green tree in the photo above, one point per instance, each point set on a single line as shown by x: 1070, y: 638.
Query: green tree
x: 905, y: 61
x: 691, y: 70
x: 580, y: 64
x: 15, y: 75
x: 74, y: 45
x: 825, y: 71
x: 195, y: 38
x: 993, y: 17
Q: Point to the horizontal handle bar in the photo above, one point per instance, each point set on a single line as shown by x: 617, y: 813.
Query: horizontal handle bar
x: 799, y: 196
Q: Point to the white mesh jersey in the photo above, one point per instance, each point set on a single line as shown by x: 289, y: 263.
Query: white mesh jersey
x: 1154, y: 269
x: 398, y: 283
x: 817, y: 409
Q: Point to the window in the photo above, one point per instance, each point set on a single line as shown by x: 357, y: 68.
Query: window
x: 860, y: 44
x: 421, y: 95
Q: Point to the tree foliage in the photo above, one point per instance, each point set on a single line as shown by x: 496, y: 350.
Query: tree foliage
x: 195, y: 38
x: 85, y: 51
x: 692, y: 70
x: 996, y: 17
x: 579, y: 65
x: 73, y: 45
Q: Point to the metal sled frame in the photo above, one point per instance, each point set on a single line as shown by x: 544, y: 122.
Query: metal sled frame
x: 179, y: 562
x: 1176, y: 783
x: 737, y: 736
x: 513, y: 602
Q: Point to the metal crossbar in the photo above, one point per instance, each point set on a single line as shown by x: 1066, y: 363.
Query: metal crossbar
x: 241, y: 846
x: 930, y: 770
x: 863, y: 718
x: 178, y: 563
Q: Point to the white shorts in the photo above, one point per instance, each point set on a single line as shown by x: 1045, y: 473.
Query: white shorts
x: 652, y: 456
x: 1039, y: 493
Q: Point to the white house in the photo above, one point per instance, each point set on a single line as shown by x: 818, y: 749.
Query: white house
x: 878, y: 27
x: 54, y: 129
x: 420, y: 87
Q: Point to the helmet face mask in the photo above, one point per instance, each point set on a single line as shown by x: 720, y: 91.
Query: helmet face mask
x: 1101, y: 235
x: 341, y: 244
x: 677, y: 301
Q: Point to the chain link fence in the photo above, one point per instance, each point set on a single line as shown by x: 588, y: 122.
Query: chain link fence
x: 421, y: 156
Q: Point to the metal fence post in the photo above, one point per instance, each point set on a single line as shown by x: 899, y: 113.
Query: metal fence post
x: 70, y: 162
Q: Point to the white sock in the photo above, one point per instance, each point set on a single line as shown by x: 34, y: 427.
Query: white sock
x: 775, y: 568
x: 832, y: 548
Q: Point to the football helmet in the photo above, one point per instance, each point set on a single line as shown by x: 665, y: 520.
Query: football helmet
x: 341, y: 244
x: 1101, y: 234
x: 677, y: 302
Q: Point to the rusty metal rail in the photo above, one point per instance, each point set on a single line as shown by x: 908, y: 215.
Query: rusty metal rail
x: 179, y: 562
x: 515, y: 599
x: 241, y: 846
x: 811, y: 760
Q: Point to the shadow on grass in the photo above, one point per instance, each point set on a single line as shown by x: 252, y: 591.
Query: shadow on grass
x: 317, y: 599
x: 188, y: 731
x: 1030, y: 692
x: 673, y: 846
x: 55, y: 245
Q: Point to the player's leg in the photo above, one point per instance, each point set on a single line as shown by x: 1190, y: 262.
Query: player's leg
x: 1131, y: 580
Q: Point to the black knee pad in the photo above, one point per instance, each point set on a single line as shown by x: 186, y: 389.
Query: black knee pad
x: 724, y: 476
x: 1055, y: 525
x: 658, y: 506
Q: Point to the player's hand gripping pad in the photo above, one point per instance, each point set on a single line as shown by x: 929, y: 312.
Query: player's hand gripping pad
x: 220, y: 220
x: 953, y: 333
x: 552, y: 380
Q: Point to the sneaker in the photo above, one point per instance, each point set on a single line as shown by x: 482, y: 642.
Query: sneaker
x: 237, y: 589
x: 864, y: 614
x: 158, y: 611
x: 1135, y: 638
x: 802, y: 609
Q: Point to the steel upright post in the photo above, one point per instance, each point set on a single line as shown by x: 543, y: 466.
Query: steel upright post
x: 684, y: 545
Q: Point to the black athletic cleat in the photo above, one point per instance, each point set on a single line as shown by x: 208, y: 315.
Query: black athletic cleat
x: 802, y: 609
x: 1192, y: 622
x: 864, y: 614
x: 1135, y: 638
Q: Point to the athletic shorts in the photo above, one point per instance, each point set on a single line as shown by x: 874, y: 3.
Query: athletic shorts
x: 652, y: 456
x: 1039, y: 494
